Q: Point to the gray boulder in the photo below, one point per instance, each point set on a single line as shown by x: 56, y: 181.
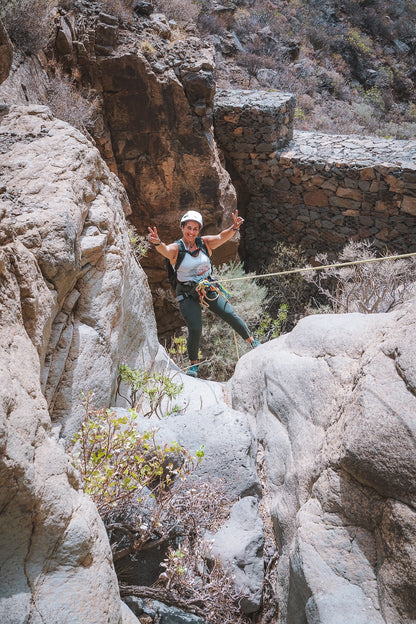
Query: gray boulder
x: 64, y: 326
x: 239, y: 545
x: 82, y: 291
x: 333, y: 404
x: 228, y: 441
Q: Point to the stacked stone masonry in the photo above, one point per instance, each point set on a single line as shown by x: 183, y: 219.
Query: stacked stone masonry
x: 313, y: 189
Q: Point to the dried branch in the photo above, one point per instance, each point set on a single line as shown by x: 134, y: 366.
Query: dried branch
x: 366, y: 288
x: 168, y: 597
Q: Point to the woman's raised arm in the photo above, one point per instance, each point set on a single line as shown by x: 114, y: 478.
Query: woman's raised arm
x: 167, y: 251
x: 214, y: 241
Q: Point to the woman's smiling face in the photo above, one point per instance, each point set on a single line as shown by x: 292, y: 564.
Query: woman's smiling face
x: 190, y: 231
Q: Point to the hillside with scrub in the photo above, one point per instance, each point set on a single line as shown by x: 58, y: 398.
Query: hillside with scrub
x: 350, y: 64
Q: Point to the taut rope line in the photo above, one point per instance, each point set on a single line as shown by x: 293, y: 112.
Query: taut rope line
x: 317, y: 268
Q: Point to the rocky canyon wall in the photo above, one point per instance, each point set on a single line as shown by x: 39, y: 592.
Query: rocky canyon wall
x: 156, y: 88
x: 332, y: 403
x: 73, y: 305
x: 6, y: 53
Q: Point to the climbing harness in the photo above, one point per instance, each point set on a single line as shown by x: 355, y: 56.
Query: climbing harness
x: 208, y: 287
x: 182, y: 251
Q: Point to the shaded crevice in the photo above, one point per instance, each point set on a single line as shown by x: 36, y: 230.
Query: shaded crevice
x: 401, y: 372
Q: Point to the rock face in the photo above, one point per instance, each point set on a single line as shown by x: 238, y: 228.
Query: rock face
x: 333, y: 403
x: 239, y: 544
x: 55, y: 559
x: 70, y: 300
x: 81, y: 292
x: 6, y: 53
x: 166, y: 155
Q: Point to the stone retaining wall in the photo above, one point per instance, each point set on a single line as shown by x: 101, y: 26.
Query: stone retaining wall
x: 313, y: 189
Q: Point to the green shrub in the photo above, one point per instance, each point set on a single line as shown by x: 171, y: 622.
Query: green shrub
x: 116, y: 463
x: 220, y: 346
x: 150, y: 393
x: 291, y: 291
x: 120, y: 467
x: 139, y: 245
x: 149, y: 497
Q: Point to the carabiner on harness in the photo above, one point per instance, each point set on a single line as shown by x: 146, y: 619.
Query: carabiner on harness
x: 210, y: 290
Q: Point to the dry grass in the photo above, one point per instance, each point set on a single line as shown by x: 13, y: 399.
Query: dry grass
x: 182, y: 11
x: 68, y: 103
x: 123, y: 9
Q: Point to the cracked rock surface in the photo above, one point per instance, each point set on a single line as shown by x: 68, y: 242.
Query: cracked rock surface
x: 64, y: 325
x: 333, y: 403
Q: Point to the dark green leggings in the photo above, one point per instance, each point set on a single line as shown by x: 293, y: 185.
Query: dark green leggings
x: 191, y: 312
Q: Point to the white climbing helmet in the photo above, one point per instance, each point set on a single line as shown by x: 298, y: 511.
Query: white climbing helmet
x: 192, y: 215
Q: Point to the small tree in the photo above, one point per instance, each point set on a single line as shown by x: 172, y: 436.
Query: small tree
x: 117, y: 463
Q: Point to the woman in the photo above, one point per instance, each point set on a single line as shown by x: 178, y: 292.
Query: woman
x: 193, y: 269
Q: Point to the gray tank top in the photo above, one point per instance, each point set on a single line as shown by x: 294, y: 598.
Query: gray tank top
x: 194, y: 268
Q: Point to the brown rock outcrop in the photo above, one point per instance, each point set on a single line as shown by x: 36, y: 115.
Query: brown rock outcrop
x: 157, y: 92
x: 6, y: 53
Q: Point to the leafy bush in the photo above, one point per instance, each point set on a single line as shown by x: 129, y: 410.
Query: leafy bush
x: 139, y: 245
x: 269, y: 327
x: 177, y: 350
x: 149, y: 497
x: 122, y: 468
x: 148, y: 391
x: 367, y: 288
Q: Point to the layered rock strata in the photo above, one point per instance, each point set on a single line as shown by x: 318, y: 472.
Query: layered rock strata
x: 316, y: 190
x: 62, y: 214
x: 73, y: 304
